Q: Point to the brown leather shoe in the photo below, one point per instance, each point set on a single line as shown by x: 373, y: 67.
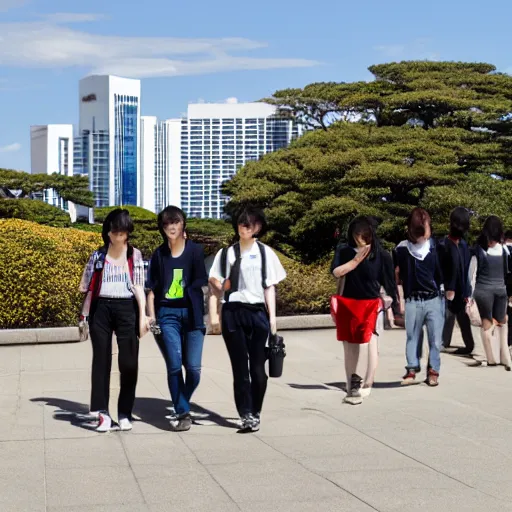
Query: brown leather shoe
x: 433, y: 378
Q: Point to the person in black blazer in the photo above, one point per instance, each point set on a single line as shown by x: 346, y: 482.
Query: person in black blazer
x: 455, y: 260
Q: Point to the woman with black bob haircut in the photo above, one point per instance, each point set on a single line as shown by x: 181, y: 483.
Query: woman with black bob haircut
x: 177, y: 275
x: 246, y: 274
x: 363, y: 268
x: 491, y: 263
x: 455, y: 258
x: 113, y: 282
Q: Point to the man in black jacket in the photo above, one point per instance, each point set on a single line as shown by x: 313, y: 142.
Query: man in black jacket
x: 455, y: 259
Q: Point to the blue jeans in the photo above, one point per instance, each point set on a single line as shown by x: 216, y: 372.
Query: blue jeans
x: 417, y: 314
x: 181, y: 345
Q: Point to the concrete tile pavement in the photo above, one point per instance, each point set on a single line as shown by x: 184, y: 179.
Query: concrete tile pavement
x: 444, y: 448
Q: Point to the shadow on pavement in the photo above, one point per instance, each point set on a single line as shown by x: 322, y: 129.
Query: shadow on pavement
x: 376, y: 385
x: 308, y: 386
x: 152, y: 411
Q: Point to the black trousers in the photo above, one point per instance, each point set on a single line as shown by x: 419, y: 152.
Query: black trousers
x: 245, y: 331
x: 509, y: 313
x: 457, y: 313
x: 109, y: 316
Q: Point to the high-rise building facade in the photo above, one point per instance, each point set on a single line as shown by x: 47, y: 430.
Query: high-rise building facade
x: 156, y: 186
x: 51, y: 151
x: 214, y: 141
x: 108, y: 141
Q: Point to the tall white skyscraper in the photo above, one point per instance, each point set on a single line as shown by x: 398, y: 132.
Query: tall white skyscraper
x: 214, y: 141
x: 155, y: 179
x: 148, y: 152
x: 51, y: 151
x: 108, y: 142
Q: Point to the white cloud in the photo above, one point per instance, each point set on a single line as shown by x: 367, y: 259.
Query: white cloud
x: 51, y: 44
x: 11, y: 148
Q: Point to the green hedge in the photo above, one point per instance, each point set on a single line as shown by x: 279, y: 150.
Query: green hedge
x: 35, y: 211
x: 41, y: 267
x: 40, y: 270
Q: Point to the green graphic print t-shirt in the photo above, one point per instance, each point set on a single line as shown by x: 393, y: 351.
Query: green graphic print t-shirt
x: 169, y: 277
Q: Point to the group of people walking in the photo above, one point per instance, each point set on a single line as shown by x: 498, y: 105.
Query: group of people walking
x: 443, y: 281
x: 114, y: 285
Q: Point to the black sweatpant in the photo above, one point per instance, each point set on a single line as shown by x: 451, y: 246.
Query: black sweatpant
x: 119, y: 316
x: 245, y: 330
x: 462, y: 318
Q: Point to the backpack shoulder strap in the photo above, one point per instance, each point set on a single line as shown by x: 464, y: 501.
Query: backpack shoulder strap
x: 263, y: 264
x: 224, y: 262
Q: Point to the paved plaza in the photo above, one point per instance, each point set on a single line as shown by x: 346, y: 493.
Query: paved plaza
x: 405, y: 449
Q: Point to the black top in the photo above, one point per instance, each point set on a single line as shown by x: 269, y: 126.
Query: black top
x: 455, y: 259
x: 366, y: 280
x: 177, y: 282
x: 419, y: 276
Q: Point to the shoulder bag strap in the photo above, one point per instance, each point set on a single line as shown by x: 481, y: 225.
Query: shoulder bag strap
x: 263, y: 264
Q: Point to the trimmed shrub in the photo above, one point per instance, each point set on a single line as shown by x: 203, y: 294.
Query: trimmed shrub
x: 306, y: 290
x: 138, y: 214
x: 41, y: 267
x: 40, y: 270
x: 35, y: 211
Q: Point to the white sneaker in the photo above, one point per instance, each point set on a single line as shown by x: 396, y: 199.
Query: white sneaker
x: 125, y: 424
x: 354, y: 397
x: 104, y: 423
x: 365, y: 392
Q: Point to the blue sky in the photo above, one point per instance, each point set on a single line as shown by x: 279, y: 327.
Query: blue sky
x: 206, y: 50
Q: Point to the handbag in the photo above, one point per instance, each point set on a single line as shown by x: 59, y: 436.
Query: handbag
x: 471, y: 307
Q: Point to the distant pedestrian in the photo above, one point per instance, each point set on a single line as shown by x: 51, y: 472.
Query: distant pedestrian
x: 246, y: 275
x: 455, y: 259
x: 363, y: 267
x: 508, y: 243
x: 177, y: 275
x: 491, y: 262
x: 418, y: 269
x: 115, y: 303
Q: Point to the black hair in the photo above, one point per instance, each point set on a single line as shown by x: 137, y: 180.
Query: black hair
x: 492, y: 231
x: 117, y: 221
x: 171, y: 215
x: 365, y: 227
x: 508, y: 234
x: 249, y: 216
x: 459, y: 222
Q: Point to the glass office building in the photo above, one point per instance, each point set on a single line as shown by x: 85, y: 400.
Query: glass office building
x: 51, y: 153
x: 108, y: 141
x: 218, y: 139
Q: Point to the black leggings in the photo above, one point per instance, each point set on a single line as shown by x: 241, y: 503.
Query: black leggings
x: 245, y: 331
x: 109, y: 316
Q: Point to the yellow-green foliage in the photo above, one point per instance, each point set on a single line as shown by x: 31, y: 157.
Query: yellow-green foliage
x: 307, y: 289
x: 40, y: 270
x: 41, y: 267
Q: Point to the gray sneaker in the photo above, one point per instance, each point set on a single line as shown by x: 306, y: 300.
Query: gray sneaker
x: 249, y: 423
x: 181, y: 424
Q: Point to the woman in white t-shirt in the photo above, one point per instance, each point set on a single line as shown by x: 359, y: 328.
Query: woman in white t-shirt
x: 247, y: 274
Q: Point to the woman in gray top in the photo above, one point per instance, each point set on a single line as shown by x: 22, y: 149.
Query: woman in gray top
x: 490, y: 293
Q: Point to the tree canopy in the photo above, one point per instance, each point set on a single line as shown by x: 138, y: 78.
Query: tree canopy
x: 70, y: 188
x: 433, y: 134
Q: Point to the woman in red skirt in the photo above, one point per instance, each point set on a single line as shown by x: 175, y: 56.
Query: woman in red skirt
x: 363, y: 268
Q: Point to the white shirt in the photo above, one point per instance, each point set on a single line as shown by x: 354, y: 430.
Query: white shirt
x: 250, y: 289
x: 115, y: 283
